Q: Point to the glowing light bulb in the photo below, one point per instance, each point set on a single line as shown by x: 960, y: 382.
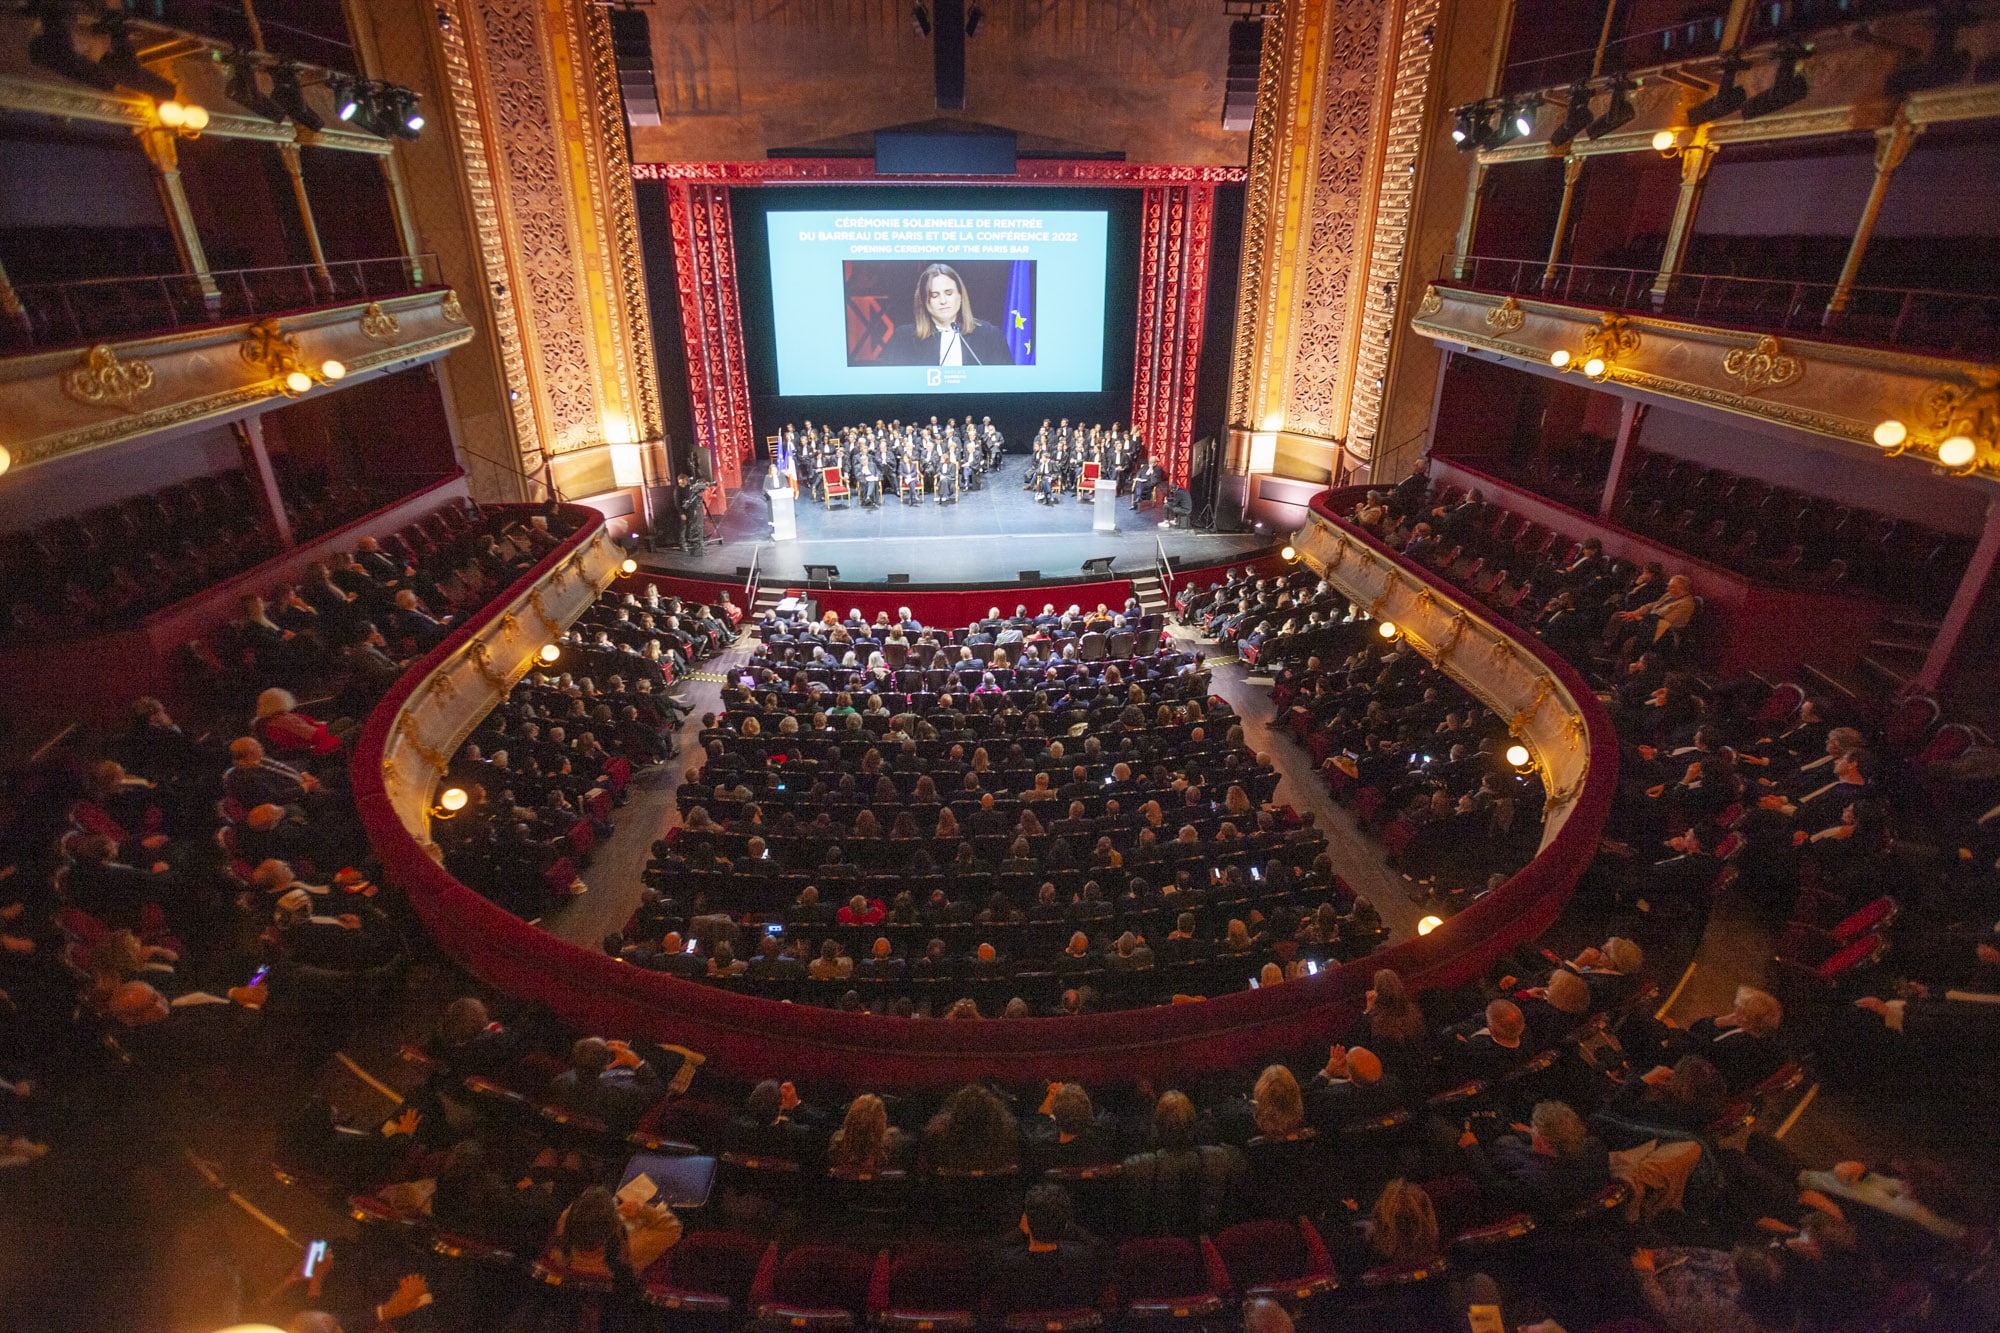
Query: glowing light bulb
x: 1387, y: 629
x: 1517, y: 755
x: 453, y: 799
x: 628, y: 566
x: 550, y: 652
x: 1664, y: 140
x: 333, y: 370
x: 171, y: 113
x: 298, y: 381
x: 6, y: 458
x: 1891, y: 433
x: 1559, y: 358
x: 197, y: 118
x: 1429, y: 924
x: 1289, y: 554
x: 1957, y: 450
x: 1594, y: 367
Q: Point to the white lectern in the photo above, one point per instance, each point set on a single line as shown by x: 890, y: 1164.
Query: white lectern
x: 1106, y: 504
x: 784, y: 519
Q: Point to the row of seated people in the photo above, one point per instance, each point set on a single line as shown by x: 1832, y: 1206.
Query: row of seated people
x: 1243, y: 611
x: 1440, y: 1136
x: 110, y: 565
x: 397, y: 596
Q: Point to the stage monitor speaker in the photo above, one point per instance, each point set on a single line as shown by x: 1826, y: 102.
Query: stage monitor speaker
x: 822, y: 573
x: 1230, y: 501
x: 1030, y: 575
x: 1100, y: 566
x: 743, y: 572
x: 898, y: 578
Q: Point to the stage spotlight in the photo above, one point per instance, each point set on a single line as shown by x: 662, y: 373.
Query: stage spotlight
x: 396, y: 109
x: 1505, y: 127
x: 973, y: 18
x: 1429, y: 924
x: 287, y: 93
x: 121, y: 62
x: 346, y: 97
x: 1788, y: 87
x: 6, y: 459
x: 244, y: 90
x: 53, y: 47
x: 1616, y: 113
x: 920, y: 19
x: 1575, y: 117
x: 1595, y: 368
x: 549, y: 653
x: 1524, y: 116
x: 1727, y: 98
x: 1461, y: 129
x: 1482, y: 125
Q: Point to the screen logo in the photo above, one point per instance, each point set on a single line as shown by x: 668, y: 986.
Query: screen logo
x: 933, y: 378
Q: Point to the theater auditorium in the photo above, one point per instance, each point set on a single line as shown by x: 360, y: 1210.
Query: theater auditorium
x: 1002, y: 667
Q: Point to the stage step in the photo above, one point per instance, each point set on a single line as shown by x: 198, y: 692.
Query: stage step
x: 1151, y: 594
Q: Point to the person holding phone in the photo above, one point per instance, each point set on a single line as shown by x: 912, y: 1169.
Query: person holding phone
x: 943, y: 331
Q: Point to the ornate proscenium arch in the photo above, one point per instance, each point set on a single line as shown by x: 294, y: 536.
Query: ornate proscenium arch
x: 412, y: 733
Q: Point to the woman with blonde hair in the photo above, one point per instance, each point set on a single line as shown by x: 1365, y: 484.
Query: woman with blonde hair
x: 1236, y: 804
x: 865, y: 1140
x: 1237, y: 940
x: 1403, y: 1229
x: 1277, y: 1105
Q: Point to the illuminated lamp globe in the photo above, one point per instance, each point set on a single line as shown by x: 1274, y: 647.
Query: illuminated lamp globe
x: 171, y: 113
x: 333, y: 370
x: 1289, y: 554
x: 1517, y: 755
x: 628, y: 566
x: 298, y: 381
x: 197, y: 118
x: 1957, y: 450
x: 6, y: 459
x: 1891, y: 433
x: 453, y: 799
x: 549, y: 652
x: 1560, y: 358
x: 1387, y: 629
x: 1594, y: 367
x: 1663, y: 140
x: 1429, y: 924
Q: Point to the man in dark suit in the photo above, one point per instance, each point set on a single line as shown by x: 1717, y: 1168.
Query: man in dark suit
x: 1051, y: 1267
x: 1352, y: 1087
x: 607, y: 1080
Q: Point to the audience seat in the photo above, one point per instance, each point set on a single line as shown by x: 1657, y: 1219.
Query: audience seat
x: 818, y: 1287
x: 1285, y: 1261
x: 1169, y: 1280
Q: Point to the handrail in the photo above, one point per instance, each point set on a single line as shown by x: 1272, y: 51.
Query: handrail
x: 750, y: 583
x: 57, y: 314
x: 406, y: 743
x: 1165, y: 568
x: 1917, y: 318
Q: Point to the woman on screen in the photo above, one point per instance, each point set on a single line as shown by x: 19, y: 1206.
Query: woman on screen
x: 944, y: 332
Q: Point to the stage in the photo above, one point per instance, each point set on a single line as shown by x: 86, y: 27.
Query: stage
x: 990, y: 535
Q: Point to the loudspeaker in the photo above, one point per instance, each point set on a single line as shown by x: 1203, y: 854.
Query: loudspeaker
x: 1230, y: 500
x: 632, y: 49
x: 1239, y: 84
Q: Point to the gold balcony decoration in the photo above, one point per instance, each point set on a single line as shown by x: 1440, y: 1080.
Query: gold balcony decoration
x: 1432, y: 302
x: 1506, y: 317
x: 379, y: 324
x: 451, y: 309
x: 1962, y: 419
x: 1764, y: 366
x: 103, y: 380
x: 1611, y: 341
x: 267, y: 345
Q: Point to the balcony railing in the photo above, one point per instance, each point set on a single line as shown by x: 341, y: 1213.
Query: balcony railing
x: 1960, y: 324
x: 65, y: 314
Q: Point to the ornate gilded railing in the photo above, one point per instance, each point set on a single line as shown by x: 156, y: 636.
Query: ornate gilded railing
x: 402, y: 751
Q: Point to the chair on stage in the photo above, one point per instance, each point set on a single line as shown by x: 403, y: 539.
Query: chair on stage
x: 1086, y: 479
x: 833, y: 485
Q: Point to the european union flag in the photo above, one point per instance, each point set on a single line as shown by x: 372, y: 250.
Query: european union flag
x: 1021, y: 312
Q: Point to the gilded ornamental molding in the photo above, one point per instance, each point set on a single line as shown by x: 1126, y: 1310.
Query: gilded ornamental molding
x: 53, y: 404
x: 1837, y: 390
x: 382, y: 326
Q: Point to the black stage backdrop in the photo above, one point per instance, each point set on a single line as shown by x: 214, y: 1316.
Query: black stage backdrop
x: 1017, y: 414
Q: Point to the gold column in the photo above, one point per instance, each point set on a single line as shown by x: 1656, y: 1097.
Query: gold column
x: 1572, y: 168
x: 288, y: 153
x: 1737, y: 24
x: 1696, y: 159
x: 163, y: 151
x: 1892, y: 144
x: 399, y: 206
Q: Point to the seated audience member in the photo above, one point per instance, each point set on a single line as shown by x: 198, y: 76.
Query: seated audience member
x: 607, y: 1080
x: 1352, y: 1086
x: 1181, y: 1187
x: 1050, y: 1266
x: 1743, y: 1044
x: 974, y: 1132
x: 599, y: 1236
x: 866, y: 1141
x: 1403, y: 1228
x: 1557, y: 1168
x: 1067, y: 1132
x: 774, y: 1122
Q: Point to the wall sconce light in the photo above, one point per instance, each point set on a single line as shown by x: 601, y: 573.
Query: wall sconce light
x: 1667, y: 143
x: 1892, y: 435
x: 1560, y: 358
x: 1518, y: 756
x: 549, y: 653
x: 450, y: 801
x: 628, y: 566
x: 1957, y: 452
x: 1595, y: 367
x: 186, y: 119
x: 1289, y: 554
x: 1387, y: 629
x: 1429, y: 924
x: 269, y: 346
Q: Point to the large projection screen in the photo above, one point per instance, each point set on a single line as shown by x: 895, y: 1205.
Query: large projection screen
x: 926, y: 300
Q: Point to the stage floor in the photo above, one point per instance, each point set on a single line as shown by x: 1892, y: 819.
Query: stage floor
x: 989, y: 535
